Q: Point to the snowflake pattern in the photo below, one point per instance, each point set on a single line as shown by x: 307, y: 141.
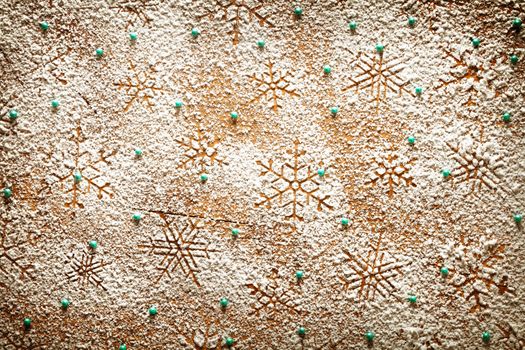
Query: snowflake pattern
x: 200, y: 150
x: 53, y: 64
x: 141, y: 87
x: 391, y: 171
x: 86, y: 269
x: 12, y: 253
x: 180, y: 248
x: 273, y: 86
x: 135, y: 11
x: 293, y: 185
x: 237, y: 12
x: 510, y: 338
x: 380, y: 76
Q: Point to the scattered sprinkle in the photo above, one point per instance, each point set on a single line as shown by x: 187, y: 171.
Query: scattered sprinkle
x: 301, y: 331
x: 514, y: 59
x: 261, y: 43
x: 93, y: 244
x: 320, y: 172
x: 133, y: 36
x: 229, y: 341
x: 204, y: 177
x: 506, y: 117
x: 352, y: 25
x: 298, y: 11
x: 345, y: 221
x: 299, y: 274
x: 137, y: 216
x: 178, y: 104
x: 195, y: 32
x: 411, y: 140
x: 380, y: 48
x: 13, y: 114
x: 370, y: 336
x: 224, y: 302
x: 152, y: 311
x: 65, y: 303
x: 235, y: 232
x: 7, y: 192
x: 444, y: 271
x: 411, y: 21
x: 518, y: 218
x: 99, y: 52
x: 27, y: 322
x: 138, y: 152
x: 445, y: 173
x: 475, y: 42
x: 419, y: 91
x: 327, y: 69
x: 486, y: 337
x: 234, y: 115
x: 55, y: 103
x: 44, y: 25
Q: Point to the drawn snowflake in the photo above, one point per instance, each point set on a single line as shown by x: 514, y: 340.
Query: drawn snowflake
x: 293, y: 185
x: 135, y: 11
x: 205, y: 334
x: 510, y: 338
x: 53, y: 64
x: 12, y: 253
x: 86, y: 269
x: 236, y: 12
x: 180, y: 247
x: 140, y: 86
x: 200, y: 150
x: 372, y: 274
x: 380, y: 76
x: 272, y: 298
x: 391, y: 171
x: 84, y: 173
x: 273, y: 86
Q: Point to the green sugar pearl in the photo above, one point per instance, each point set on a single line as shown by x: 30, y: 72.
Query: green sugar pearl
x: 352, y: 25
x: 516, y: 23
x: 234, y: 115
x: 65, y: 303
x: 380, y: 48
x: 506, y: 117
x: 298, y: 11
x: 411, y: 140
x: 514, y: 59
x: 411, y: 21
x: 55, y: 103
x: 229, y: 341
x: 195, y: 32
x: 235, y: 232
x: 13, y: 114
x: 475, y: 42
x: 299, y: 275
x: 444, y: 271
x: 99, y: 52
x: 320, y: 172
x: 152, y: 311
x: 204, y: 177
x: 77, y: 176
x: 518, y: 218
x: 178, y: 104
x: 137, y: 216
x: 261, y: 43
x: 133, y: 36
x: 327, y: 69
x: 27, y: 322
x: 419, y: 90
x: 7, y: 192
x: 122, y: 347
x: 93, y: 244
x: 370, y: 336
x: 486, y: 337
x: 44, y: 25
x: 138, y: 152
x: 412, y: 299
x: 301, y: 331
x: 334, y: 110
x: 445, y: 173
x: 345, y: 221
x: 224, y: 302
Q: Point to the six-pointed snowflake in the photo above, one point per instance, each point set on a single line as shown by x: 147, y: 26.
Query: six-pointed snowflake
x: 200, y: 150
x: 273, y: 86
x: 86, y: 268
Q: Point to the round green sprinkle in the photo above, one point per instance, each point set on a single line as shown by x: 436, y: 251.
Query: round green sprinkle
x: 44, y: 25
x: 345, y: 221
x: 370, y: 336
x: 13, y: 114
x: 27, y: 322
x: 65, y: 303
x: 411, y: 140
x: 298, y: 11
x: 229, y: 341
x: 152, y: 311
x: 411, y: 21
x: 138, y: 152
x: 204, y: 177
x: 77, y: 176
x: 99, y: 52
x: 122, y: 347
x: 476, y: 42
x: 327, y: 69
x: 518, y: 218
x: 412, y: 299
x: 261, y: 43
x: 445, y: 173
x: 301, y: 331
x: 506, y: 117
x: 93, y: 244
x: 7, y: 192
x: 137, y: 216
x: 352, y: 25
x: 55, y: 103
x: 444, y: 271
x: 516, y: 23
x: 514, y: 59
x: 380, y: 48
x: 224, y: 302
x: 334, y: 110
x: 234, y: 115
x: 419, y: 90
x: 133, y: 36
x: 486, y: 337
x: 299, y: 274
x: 195, y: 32
x: 320, y: 172
x: 178, y: 104
x: 235, y: 232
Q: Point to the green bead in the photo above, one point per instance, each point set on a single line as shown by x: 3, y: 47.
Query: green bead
x: 224, y: 302
x: 44, y: 25
x: 516, y: 23
x: 55, y: 103
x: 352, y: 25
x: 301, y: 331
x: 518, y: 218
x: 7, y: 192
x: 514, y: 59
x: 380, y: 48
x: 411, y: 140
x: 298, y: 11
x: 345, y: 221
x: 234, y: 115
x: 334, y: 110
x: 77, y: 176
x: 65, y: 303
x: 320, y: 172
x: 235, y: 232
x: 445, y: 173
x: 327, y: 70
x: 444, y: 271
x: 195, y: 32
x: 152, y: 311
x: 122, y: 347
x: 133, y: 36
x: 13, y: 114
x: 138, y: 152
x: 299, y: 274
x: 229, y: 341
x: 370, y: 336
x: 27, y: 322
x: 419, y: 90
x: 261, y: 43
x: 411, y: 21
x: 137, y: 216
x: 412, y: 299
x: 486, y: 337
x: 93, y: 244
x: 506, y: 117
x: 178, y: 104
x: 204, y: 177
x: 475, y: 42
x: 99, y: 52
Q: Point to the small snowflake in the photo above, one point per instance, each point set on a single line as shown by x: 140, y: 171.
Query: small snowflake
x: 200, y: 150
x: 86, y: 268
x: 273, y: 86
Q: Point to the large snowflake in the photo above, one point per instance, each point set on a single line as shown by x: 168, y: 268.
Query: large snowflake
x: 237, y: 12
x: 86, y: 268
x: 180, y: 247
x: 273, y: 85
x: 293, y: 185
